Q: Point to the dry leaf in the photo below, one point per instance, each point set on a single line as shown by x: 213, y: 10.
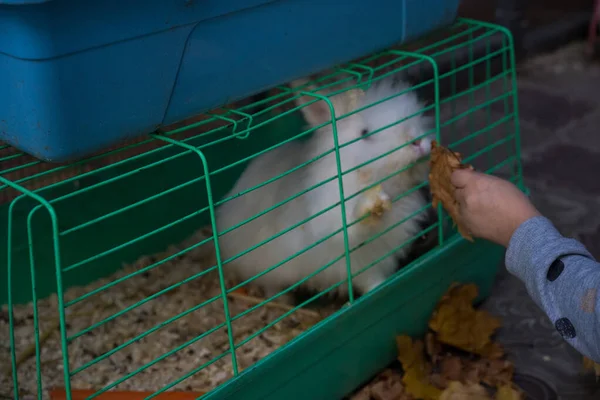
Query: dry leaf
x: 438, y: 381
x: 452, y: 368
x: 474, y: 371
x: 458, y: 391
x: 416, y: 369
x: 386, y: 386
x: 491, y: 372
x: 433, y: 347
x: 507, y: 392
x: 458, y: 324
x: 433, y: 371
x: 442, y: 164
x: 419, y: 386
x: 410, y: 354
x: 497, y: 372
x: 591, y: 366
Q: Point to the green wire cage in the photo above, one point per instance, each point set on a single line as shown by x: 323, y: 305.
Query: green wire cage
x: 117, y: 277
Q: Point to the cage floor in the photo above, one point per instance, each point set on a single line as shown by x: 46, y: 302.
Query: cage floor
x: 142, y: 319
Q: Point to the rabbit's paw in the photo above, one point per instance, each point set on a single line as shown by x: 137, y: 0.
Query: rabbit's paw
x: 374, y: 203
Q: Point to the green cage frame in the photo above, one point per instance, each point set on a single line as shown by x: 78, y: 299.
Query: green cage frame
x: 319, y: 363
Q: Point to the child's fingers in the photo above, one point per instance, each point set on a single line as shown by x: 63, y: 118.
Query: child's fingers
x: 461, y: 177
x: 459, y: 195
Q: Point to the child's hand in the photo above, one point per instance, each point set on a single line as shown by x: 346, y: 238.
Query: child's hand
x: 490, y: 207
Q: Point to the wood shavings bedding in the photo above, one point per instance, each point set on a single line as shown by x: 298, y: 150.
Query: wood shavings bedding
x: 108, y: 338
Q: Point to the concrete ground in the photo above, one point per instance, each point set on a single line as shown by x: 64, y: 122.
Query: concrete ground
x: 559, y: 98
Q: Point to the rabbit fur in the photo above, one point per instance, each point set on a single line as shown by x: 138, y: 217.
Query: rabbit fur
x: 292, y: 213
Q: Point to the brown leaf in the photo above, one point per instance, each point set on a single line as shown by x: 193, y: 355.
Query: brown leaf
x: 390, y: 374
x: 442, y: 164
x: 433, y: 347
x: 452, y: 368
x: 458, y: 391
x: 498, y: 372
x: 474, y: 371
x: 591, y: 366
x: 492, y: 351
x: 438, y: 381
x: 458, y: 324
x: 491, y: 372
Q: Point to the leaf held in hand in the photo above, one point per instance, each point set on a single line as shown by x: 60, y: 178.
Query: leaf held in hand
x: 458, y: 324
x: 442, y: 164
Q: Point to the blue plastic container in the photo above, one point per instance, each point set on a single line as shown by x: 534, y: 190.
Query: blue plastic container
x: 77, y: 76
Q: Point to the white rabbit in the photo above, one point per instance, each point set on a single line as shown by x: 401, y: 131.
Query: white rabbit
x: 377, y: 201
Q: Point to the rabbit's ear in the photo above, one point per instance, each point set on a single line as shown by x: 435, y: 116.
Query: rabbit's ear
x: 316, y: 113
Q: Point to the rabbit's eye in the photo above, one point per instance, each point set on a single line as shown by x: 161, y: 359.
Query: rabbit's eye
x: 364, y: 132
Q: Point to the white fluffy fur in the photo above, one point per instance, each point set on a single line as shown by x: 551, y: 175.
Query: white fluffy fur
x: 293, y: 154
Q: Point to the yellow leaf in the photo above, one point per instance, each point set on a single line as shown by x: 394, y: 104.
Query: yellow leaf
x: 458, y: 324
x: 410, y: 354
x: 458, y: 391
x: 418, y: 386
x: 506, y: 392
x: 416, y: 369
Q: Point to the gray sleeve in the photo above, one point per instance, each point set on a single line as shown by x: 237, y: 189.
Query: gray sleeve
x: 563, y: 278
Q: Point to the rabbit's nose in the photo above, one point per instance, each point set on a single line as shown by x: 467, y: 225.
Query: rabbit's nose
x: 421, y: 146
